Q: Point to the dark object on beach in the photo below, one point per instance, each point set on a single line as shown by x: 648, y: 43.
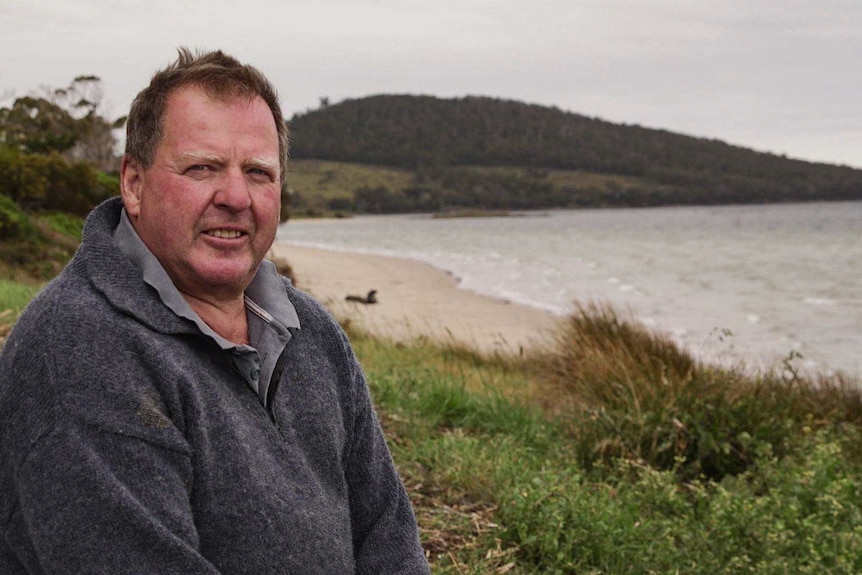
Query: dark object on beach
x: 370, y: 298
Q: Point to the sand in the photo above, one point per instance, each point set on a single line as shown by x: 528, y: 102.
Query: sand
x: 415, y: 301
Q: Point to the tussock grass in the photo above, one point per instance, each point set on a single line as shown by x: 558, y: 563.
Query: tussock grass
x: 619, y: 453
x: 627, y: 392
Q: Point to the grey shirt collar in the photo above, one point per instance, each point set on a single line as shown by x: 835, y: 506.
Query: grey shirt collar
x: 270, y: 312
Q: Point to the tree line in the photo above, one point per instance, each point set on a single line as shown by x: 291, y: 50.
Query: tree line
x: 449, y: 143
x: 57, y: 152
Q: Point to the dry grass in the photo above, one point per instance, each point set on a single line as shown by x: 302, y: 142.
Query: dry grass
x: 630, y: 393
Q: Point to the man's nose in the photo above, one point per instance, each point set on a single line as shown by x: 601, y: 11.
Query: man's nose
x: 233, y: 191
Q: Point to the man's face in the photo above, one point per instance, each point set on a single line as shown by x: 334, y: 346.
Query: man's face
x: 208, y: 207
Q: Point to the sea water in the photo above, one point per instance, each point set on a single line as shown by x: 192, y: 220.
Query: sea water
x: 760, y: 284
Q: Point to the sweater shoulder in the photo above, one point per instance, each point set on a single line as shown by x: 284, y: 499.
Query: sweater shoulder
x: 73, y: 359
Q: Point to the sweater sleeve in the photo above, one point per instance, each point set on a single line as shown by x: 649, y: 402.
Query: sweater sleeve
x: 386, y: 539
x: 96, y: 501
x: 89, y: 483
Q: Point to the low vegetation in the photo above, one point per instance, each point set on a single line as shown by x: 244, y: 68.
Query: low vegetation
x: 327, y: 188
x: 14, y: 296
x: 33, y: 249
x: 619, y: 453
x: 35, y: 246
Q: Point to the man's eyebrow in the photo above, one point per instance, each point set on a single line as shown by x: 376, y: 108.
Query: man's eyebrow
x: 266, y: 163
x: 201, y: 156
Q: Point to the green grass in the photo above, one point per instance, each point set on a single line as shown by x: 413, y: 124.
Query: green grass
x: 28, y: 260
x: 635, y: 394
x: 41, y: 247
x: 320, y: 181
x: 65, y: 224
x: 638, y: 461
x: 14, y: 296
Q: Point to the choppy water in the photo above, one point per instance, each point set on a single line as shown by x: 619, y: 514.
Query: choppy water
x: 735, y: 282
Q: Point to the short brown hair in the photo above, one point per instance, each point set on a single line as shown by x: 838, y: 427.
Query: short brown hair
x: 219, y: 75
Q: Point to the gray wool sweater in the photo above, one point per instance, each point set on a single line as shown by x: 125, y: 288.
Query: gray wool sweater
x: 128, y: 443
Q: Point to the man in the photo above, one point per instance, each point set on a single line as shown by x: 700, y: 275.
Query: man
x: 169, y: 404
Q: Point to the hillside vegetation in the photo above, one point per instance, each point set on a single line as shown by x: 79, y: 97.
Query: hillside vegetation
x: 487, y: 153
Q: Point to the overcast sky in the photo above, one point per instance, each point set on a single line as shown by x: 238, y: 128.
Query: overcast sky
x: 783, y: 76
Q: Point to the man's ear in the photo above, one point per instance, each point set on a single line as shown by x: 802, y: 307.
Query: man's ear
x: 131, y: 184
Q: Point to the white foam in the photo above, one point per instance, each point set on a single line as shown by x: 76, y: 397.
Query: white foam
x: 818, y: 301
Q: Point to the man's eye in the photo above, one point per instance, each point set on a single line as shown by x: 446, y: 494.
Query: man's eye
x: 198, y: 168
x: 260, y: 172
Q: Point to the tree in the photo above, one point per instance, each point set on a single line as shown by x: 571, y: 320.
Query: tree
x: 37, y: 126
x: 83, y: 99
x: 67, y: 120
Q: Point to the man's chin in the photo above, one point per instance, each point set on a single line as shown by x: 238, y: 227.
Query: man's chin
x: 227, y: 278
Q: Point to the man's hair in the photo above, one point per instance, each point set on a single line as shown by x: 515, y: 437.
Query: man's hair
x: 219, y: 76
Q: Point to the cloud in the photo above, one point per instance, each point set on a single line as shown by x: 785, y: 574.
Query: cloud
x: 759, y: 73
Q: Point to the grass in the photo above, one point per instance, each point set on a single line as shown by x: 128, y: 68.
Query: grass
x: 30, y: 259
x: 14, y: 296
x: 39, y: 255
x: 618, y: 453
x: 66, y: 225
x: 320, y: 181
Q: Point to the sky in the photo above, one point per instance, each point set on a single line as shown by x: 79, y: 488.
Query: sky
x: 782, y: 76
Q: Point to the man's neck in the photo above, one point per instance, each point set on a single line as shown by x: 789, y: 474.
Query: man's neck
x: 228, y: 319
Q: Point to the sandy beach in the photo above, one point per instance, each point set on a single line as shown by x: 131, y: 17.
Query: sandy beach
x: 415, y: 300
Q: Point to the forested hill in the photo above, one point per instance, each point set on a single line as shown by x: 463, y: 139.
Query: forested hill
x: 429, y: 136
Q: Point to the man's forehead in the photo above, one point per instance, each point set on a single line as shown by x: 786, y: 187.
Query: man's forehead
x: 190, y: 103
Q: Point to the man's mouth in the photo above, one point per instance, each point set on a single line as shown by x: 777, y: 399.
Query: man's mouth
x: 225, y: 234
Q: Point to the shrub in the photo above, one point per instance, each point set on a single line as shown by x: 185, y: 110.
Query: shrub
x: 636, y: 395
x: 73, y: 188
x: 48, y: 182
x: 22, y: 177
x: 14, y: 224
